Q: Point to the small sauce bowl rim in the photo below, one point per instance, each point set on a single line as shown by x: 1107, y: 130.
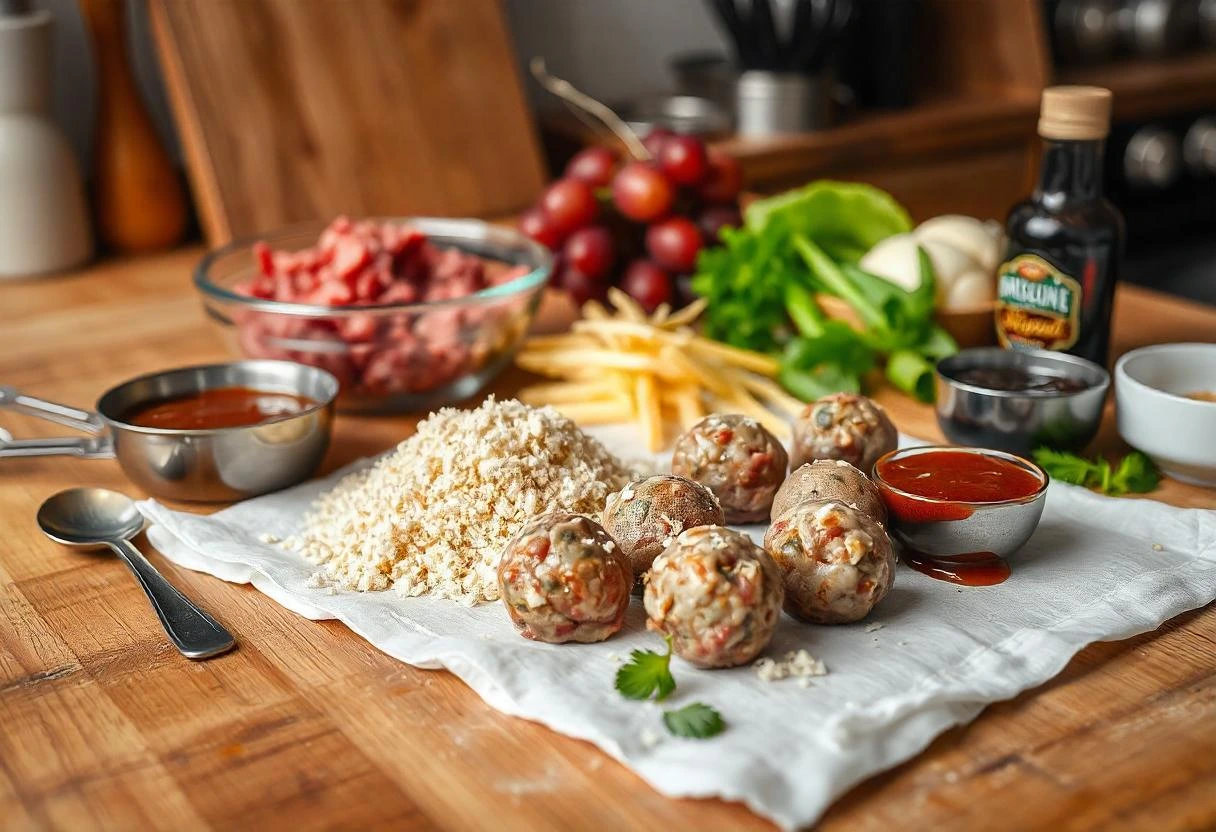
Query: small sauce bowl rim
x: 1103, y: 384
x: 1030, y: 465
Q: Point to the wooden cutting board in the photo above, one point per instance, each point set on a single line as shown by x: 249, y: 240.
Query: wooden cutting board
x: 296, y: 110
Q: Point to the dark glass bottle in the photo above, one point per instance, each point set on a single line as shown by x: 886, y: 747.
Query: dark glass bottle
x: 1056, y: 289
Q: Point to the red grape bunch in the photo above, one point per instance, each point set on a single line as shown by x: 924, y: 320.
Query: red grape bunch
x: 637, y: 224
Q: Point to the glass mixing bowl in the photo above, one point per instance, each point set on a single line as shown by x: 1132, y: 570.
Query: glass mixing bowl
x: 390, y: 357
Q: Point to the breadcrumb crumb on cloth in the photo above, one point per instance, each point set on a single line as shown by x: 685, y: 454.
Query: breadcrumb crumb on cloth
x: 432, y: 517
x: 797, y: 664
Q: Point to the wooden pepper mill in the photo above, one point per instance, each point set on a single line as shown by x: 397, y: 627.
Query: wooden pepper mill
x: 138, y: 198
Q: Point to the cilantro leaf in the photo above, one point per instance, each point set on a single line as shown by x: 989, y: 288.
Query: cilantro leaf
x: 1065, y: 467
x: 697, y: 720
x: 646, y: 673
x: 1135, y: 473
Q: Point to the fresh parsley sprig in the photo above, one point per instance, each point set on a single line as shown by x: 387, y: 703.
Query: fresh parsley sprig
x: 698, y: 721
x: 648, y: 674
x: 1135, y: 473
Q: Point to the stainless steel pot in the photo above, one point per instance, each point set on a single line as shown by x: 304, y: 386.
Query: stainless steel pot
x: 209, y: 465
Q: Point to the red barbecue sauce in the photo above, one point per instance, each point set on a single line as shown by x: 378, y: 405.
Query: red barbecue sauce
x: 972, y: 569
x: 953, y: 480
x: 221, y: 407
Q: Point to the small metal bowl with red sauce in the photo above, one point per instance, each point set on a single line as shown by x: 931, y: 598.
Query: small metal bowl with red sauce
x: 957, y: 513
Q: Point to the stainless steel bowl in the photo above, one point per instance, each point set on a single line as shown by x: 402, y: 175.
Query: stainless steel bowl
x: 209, y: 465
x: 998, y: 527
x: 1017, y: 421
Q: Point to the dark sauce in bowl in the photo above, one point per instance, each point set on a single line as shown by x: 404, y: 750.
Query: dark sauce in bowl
x: 1018, y: 380
x: 221, y: 407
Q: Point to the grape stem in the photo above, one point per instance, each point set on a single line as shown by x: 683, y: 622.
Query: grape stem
x: 584, y: 103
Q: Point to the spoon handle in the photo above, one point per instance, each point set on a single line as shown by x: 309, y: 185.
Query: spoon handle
x: 194, y: 632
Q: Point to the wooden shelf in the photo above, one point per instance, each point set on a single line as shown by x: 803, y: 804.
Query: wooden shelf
x: 1146, y: 88
x: 920, y: 133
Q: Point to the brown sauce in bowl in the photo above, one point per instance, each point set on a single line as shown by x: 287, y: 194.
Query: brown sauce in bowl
x: 1017, y: 380
x: 222, y: 407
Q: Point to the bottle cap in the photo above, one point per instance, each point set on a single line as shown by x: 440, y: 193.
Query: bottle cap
x: 1075, y: 113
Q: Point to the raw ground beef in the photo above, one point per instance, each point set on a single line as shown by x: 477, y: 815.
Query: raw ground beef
x: 379, y: 263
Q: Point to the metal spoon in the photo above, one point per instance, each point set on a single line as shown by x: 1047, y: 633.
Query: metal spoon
x: 97, y: 517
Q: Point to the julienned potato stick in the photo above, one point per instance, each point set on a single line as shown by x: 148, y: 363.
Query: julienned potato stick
x: 754, y: 361
x: 557, y: 363
x: 687, y: 315
x: 626, y: 306
x: 708, y: 378
x: 572, y: 391
x: 632, y: 329
x: 620, y: 365
x: 770, y: 392
x: 647, y: 402
x: 596, y: 413
x: 687, y: 403
x: 564, y: 341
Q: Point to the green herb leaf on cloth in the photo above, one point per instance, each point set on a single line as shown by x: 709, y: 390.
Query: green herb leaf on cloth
x: 696, y: 721
x: 646, y: 674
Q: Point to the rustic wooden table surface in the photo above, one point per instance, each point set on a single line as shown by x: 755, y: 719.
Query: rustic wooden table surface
x: 103, y: 724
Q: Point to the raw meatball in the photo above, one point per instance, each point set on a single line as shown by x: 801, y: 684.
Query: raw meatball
x: 830, y: 479
x: 837, y: 562
x: 563, y: 578
x: 737, y: 459
x: 843, y: 426
x: 646, y: 514
x: 717, y: 594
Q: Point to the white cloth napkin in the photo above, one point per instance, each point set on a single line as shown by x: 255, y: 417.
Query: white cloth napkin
x: 1097, y: 569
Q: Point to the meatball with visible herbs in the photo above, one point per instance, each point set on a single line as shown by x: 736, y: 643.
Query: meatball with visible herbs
x: 563, y: 578
x: 717, y: 594
x: 836, y: 561
x: 646, y: 514
x: 843, y: 426
x: 830, y: 479
x: 736, y: 458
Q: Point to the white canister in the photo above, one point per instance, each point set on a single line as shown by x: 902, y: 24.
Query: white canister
x: 44, y: 221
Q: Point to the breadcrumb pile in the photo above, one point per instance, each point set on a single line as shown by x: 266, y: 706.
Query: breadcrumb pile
x: 433, y: 516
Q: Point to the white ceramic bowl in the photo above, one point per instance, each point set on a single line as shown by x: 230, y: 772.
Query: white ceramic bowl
x: 1155, y: 415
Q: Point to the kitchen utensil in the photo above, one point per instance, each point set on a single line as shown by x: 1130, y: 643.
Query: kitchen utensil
x: 1019, y: 421
x: 1157, y: 28
x: 1199, y: 147
x: 487, y: 326
x: 208, y: 465
x: 877, y: 52
x: 1085, y: 31
x: 814, y: 30
x: 139, y: 201
x: 999, y: 527
x: 44, y: 224
x: 1207, y: 23
x: 681, y: 113
x: 291, y: 110
x: 1152, y: 158
x: 1154, y: 412
x: 773, y: 103
x: 95, y: 518
x: 706, y: 75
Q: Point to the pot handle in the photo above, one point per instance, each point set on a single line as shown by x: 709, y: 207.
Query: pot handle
x: 13, y: 399
x: 97, y: 446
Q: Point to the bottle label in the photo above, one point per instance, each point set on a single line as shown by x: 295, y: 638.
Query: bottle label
x: 1037, y: 305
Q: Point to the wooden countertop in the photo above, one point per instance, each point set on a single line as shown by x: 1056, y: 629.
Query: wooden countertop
x: 306, y: 726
